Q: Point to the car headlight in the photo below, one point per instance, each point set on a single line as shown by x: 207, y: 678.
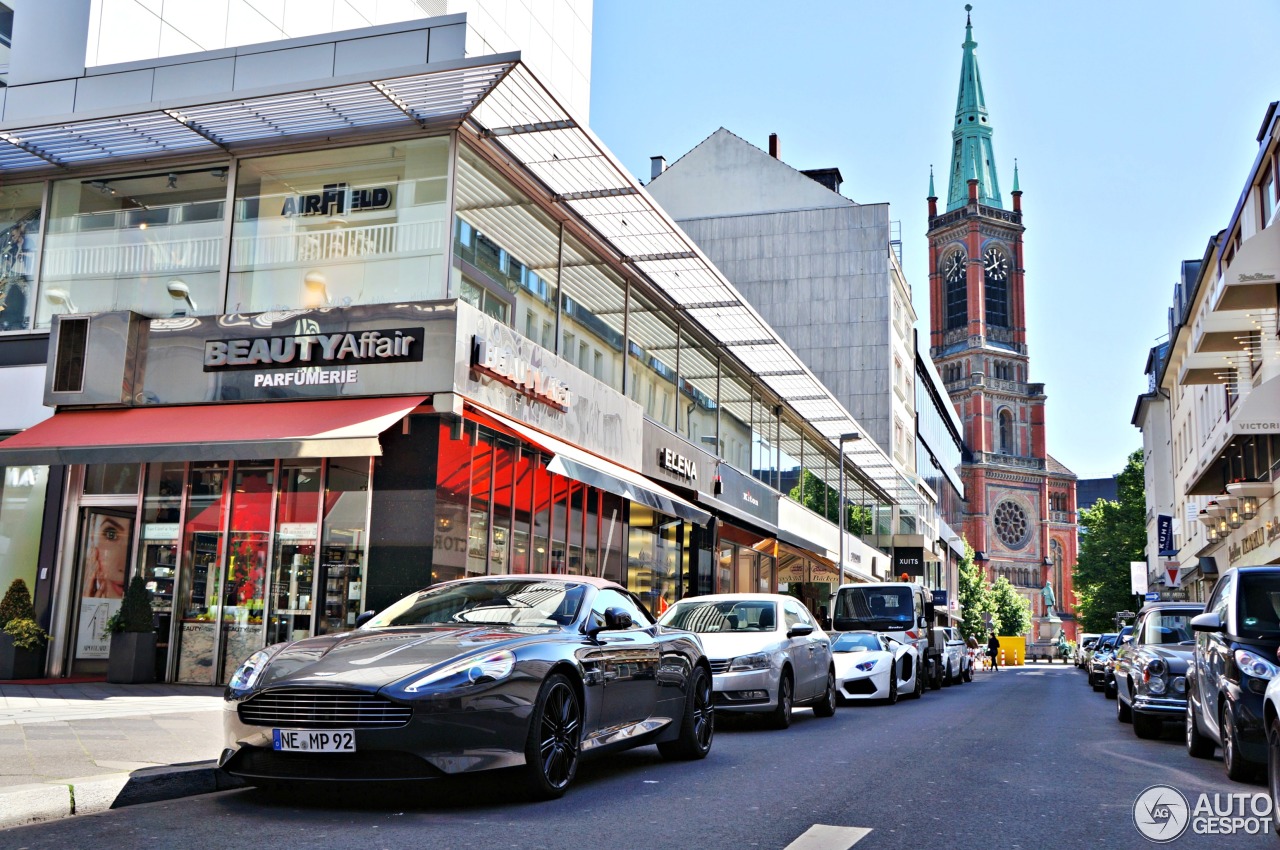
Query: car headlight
x: 480, y: 669
x: 1179, y: 684
x: 1155, y: 685
x: 1255, y: 665
x: 754, y: 661
x: 866, y: 666
x: 246, y: 675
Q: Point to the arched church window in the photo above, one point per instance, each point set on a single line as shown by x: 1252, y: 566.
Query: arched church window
x: 995, y: 274
x: 1006, y: 432
x: 954, y: 275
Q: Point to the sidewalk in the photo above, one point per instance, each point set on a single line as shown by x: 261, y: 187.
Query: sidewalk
x: 76, y: 748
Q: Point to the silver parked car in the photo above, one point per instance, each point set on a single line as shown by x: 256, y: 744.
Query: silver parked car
x: 767, y: 653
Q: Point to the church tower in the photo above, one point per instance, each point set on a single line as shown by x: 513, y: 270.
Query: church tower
x: 1021, y: 503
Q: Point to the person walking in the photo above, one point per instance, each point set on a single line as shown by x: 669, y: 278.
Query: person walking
x: 993, y: 650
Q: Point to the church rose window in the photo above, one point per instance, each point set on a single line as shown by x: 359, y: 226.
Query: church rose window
x: 1011, y: 524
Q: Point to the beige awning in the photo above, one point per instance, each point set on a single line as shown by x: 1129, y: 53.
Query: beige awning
x: 1249, y: 280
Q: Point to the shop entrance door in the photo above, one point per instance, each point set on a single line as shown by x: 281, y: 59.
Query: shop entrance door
x: 103, y: 554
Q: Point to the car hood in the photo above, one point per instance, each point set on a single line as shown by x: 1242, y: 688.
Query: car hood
x: 845, y: 662
x: 725, y: 645
x: 1177, y: 657
x: 373, y: 658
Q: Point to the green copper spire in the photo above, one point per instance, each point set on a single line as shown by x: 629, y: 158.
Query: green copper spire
x: 1015, y: 176
x: 932, y: 193
x: 971, y: 137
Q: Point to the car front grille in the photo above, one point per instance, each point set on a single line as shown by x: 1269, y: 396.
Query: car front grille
x: 859, y: 687
x: 323, y: 708
x: 371, y: 765
x: 720, y: 665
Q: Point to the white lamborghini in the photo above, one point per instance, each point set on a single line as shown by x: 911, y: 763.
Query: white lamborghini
x: 874, y: 666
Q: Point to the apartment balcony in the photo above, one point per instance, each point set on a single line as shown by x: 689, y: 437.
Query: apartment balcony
x: 1249, y: 281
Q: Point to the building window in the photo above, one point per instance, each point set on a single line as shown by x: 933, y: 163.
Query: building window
x: 995, y: 267
x: 19, y: 237
x: 1006, y: 432
x: 1011, y: 524
x: 1267, y: 197
x: 955, y: 276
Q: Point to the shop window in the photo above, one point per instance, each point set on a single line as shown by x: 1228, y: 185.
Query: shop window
x: 19, y: 240
x: 344, y: 536
x: 21, y: 521
x: 297, y: 537
x: 364, y: 225
x: 151, y: 243
x: 111, y: 479
x: 201, y: 554
x: 653, y: 558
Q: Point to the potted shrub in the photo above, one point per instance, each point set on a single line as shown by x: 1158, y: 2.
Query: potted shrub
x: 133, y: 638
x: 21, y: 638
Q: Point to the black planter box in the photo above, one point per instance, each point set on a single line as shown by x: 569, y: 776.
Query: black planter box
x: 133, y: 658
x: 19, y: 663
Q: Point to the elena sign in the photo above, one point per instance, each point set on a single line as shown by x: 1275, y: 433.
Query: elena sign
x: 678, y: 464
x: 398, y: 345
x: 507, y: 366
x: 337, y: 199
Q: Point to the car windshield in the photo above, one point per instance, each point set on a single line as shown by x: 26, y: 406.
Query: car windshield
x: 1169, y: 627
x: 504, y: 602
x: 887, y: 608
x: 850, y: 642
x: 1260, y: 604
x: 726, y: 615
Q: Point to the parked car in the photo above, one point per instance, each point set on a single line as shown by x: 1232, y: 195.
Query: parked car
x: 768, y: 655
x: 1123, y: 638
x: 469, y: 675
x: 1097, y: 666
x: 1151, y: 670
x: 956, y: 666
x: 903, y: 610
x: 1271, y: 717
x: 1084, y: 648
x: 1235, y: 658
x: 874, y: 666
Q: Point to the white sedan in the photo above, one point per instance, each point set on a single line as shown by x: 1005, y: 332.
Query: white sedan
x: 767, y: 653
x: 871, y: 665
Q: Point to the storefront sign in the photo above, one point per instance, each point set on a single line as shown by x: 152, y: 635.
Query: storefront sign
x: 506, y: 365
x: 153, y: 531
x: 908, y: 560
x: 398, y: 345
x: 1164, y: 532
x: 338, y: 199
x: 1253, y: 540
x: 297, y: 530
x: 679, y: 464
x: 741, y: 493
x: 939, y: 599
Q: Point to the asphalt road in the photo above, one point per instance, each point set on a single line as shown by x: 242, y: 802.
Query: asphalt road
x: 1024, y: 758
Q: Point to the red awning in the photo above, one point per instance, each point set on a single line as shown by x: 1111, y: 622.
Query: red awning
x: 336, y: 428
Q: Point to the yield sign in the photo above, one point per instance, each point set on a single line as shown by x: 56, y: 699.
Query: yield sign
x: 1174, y: 572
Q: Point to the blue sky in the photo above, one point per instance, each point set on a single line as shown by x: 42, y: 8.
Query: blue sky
x: 1133, y: 123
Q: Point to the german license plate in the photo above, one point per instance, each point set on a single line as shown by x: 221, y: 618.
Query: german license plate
x: 313, y: 740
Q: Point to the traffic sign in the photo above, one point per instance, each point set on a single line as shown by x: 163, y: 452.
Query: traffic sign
x: 1153, y: 596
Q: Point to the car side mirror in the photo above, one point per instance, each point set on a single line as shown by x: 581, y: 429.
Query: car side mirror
x: 365, y: 617
x: 929, y: 610
x: 799, y: 630
x: 614, y: 619
x: 924, y: 623
x: 1208, y: 622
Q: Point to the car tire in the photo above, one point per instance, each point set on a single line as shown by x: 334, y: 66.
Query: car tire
x: 1124, y: 714
x: 698, y: 727
x: 1233, y: 762
x: 968, y: 674
x: 1273, y: 771
x: 920, y: 686
x: 893, y: 687
x: 826, y: 705
x: 780, y: 717
x: 1198, y: 746
x: 935, y: 678
x: 1147, y: 726
x: 554, y: 742
x: 1109, y: 689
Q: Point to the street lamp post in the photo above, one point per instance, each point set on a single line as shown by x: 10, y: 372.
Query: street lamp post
x: 844, y: 438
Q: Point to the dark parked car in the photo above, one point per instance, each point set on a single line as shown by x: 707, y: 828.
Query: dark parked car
x: 1097, y: 666
x: 1123, y: 639
x: 504, y: 671
x: 1235, y: 657
x: 1151, y: 670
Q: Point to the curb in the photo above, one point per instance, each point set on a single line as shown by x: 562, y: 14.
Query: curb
x: 27, y: 804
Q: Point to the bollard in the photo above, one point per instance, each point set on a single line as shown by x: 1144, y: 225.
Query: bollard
x: 1015, y: 658
x: 1002, y: 658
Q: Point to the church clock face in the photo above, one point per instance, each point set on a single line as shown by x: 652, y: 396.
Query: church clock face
x: 953, y: 267
x: 995, y: 264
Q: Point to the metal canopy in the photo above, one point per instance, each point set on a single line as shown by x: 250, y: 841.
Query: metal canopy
x: 508, y: 104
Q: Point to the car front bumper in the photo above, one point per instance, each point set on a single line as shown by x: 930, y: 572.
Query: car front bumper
x: 873, y: 685
x: 745, y: 690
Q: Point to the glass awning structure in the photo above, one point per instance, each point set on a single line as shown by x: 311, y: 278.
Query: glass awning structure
x: 506, y: 103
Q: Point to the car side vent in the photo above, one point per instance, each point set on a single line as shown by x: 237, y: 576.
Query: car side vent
x: 68, y: 358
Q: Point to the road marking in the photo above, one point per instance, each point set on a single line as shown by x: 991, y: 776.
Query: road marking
x: 823, y: 837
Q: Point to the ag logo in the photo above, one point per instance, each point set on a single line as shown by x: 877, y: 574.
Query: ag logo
x: 1161, y: 813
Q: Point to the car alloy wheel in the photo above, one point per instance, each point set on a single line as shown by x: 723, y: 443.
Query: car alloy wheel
x: 1198, y: 746
x: 555, y: 738
x: 893, y: 686
x: 699, y: 724
x: 1237, y: 768
x: 1123, y: 712
x: 781, y: 717
x: 826, y: 706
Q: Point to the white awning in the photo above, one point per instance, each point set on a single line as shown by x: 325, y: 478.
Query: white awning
x: 1249, y: 281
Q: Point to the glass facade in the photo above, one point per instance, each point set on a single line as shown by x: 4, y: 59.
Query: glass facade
x: 21, y: 522
x: 20, y: 235
x: 364, y: 225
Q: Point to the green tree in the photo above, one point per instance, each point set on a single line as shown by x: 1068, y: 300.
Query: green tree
x: 974, y: 596
x: 1112, y: 534
x: 1011, y: 612
x: 814, y: 494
